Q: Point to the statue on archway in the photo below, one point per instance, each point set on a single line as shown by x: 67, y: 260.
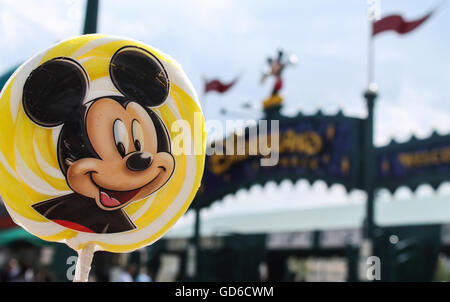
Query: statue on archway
x: 275, y: 69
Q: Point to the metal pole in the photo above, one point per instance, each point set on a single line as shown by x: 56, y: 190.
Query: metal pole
x: 369, y: 167
x: 370, y: 58
x: 90, y: 20
x: 373, y: 14
x: 196, y: 242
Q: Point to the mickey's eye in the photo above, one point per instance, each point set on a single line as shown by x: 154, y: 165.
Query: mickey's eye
x: 121, y: 137
x: 138, y: 135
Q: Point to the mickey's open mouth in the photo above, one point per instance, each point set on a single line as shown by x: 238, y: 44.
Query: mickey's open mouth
x: 111, y: 199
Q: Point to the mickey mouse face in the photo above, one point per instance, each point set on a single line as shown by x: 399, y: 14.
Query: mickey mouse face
x: 114, y: 149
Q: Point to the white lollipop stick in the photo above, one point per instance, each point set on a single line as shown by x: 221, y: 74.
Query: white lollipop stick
x: 84, y: 263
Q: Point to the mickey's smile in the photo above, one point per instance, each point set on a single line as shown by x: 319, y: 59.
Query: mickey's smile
x: 113, y: 199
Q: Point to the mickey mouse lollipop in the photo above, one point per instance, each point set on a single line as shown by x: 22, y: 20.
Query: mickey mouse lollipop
x: 86, y: 155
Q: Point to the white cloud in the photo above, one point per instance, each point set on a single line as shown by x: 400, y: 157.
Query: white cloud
x: 413, y: 111
x: 30, y: 26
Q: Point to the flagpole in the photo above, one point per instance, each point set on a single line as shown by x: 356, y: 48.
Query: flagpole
x: 370, y: 57
x: 204, y: 103
x: 367, y: 246
x: 194, y: 271
x: 373, y: 14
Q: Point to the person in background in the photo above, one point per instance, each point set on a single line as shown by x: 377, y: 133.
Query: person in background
x: 127, y: 274
x: 43, y: 275
x: 11, y: 272
x: 143, y: 276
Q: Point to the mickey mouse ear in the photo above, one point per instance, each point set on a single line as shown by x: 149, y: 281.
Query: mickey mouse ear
x: 54, y: 91
x: 138, y: 74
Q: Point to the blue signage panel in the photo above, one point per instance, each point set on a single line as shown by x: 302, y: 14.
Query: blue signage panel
x: 309, y: 147
x: 413, y: 163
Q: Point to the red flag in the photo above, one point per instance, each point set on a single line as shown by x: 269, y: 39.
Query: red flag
x: 397, y: 23
x: 216, y: 85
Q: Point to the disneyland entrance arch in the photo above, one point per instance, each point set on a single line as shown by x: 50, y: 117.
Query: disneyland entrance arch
x: 335, y: 149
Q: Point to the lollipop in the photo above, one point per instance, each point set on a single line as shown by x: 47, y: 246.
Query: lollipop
x: 86, y: 146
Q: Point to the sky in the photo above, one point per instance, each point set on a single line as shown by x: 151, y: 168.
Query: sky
x: 226, y: 38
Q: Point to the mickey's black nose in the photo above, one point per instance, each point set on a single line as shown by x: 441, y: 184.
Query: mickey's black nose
x: 139, y: 161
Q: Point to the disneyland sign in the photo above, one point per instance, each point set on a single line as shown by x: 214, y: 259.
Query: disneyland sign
x: 310, y: 147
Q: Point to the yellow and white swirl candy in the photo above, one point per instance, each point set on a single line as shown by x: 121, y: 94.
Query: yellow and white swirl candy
x: 33, y: 168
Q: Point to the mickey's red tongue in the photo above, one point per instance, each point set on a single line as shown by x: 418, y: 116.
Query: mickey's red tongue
x: 116, y: 198
x: 108, y: 201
